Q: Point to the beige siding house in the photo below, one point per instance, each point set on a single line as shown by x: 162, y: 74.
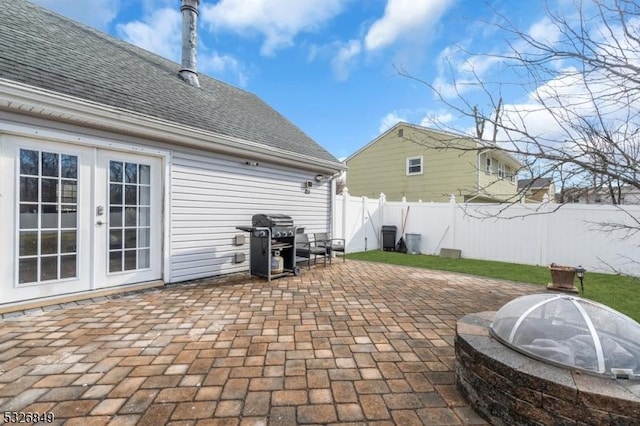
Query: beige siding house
x: 424, y: 164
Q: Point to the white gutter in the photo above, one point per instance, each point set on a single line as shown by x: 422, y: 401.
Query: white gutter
x: 53, y: 105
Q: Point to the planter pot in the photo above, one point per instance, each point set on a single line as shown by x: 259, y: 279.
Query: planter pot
x: 562, y: 278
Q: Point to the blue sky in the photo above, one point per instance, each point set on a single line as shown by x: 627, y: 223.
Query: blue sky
x: 328, y: 65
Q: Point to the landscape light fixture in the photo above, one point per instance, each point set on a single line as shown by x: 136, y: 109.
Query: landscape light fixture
x: 580, y: 274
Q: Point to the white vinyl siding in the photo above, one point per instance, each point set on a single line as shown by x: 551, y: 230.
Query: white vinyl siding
x: 210, y: 196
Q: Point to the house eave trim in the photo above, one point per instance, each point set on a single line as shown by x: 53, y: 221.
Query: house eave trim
x: 52, y: 105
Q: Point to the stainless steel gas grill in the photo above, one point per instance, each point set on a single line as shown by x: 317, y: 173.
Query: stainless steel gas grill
x: 272, y: 245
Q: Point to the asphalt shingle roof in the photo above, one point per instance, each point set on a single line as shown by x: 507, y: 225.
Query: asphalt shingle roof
x: 46, y: 50
x: 534, y: 183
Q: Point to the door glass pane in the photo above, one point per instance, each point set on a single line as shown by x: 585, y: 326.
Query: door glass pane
x: 143, y: 237
x: 68, y: 242
x: 28, y: 270
x: 52, y: 225
x: 115, y: 217
x: 69, y: 165
x: 115, y: 171
x: 49, y: 242
x: 29, y: 164
x: 145, y: 216
x: 49, y: 268
x: 68, y: 266
x: 28, y: 216
x: 145, y: 175
x: 69, y: 216
x: 131, y: 173
x: 69, y: 191
x: 130, y: 218
x: 49, y: 216
x: 145, y: 197
x: 130, y: 260
x: 115, y: 239
x: 50, y: 164
x: 29, y: 189
x: 49, y: 191
x: 130, y: 238
x: 143, y: 258
x: 130, y: 196
x: 115, y: 261
x: 115, y: 194
x: 28, y: 243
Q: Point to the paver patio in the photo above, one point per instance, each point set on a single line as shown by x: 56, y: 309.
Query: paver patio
x: 354, y: 342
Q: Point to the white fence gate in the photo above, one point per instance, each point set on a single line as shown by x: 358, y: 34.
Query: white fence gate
x: 535, y: 234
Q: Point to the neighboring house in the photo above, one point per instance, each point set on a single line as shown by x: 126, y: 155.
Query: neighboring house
x: 535, y: 189
x: 429, y: 165
x: 627, y: 195
x: 120, y: 167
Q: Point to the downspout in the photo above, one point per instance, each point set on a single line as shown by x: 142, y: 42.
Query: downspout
x: 332, y: 205
x: 478, y: 175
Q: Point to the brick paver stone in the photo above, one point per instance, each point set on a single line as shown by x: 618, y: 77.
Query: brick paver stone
x: 354, y: 342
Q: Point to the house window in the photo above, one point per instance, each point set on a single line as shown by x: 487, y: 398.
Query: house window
x: 500, y: 170
x: 488, y: 169
x: 48, y: 216
x: 414, y: 165
x: 509, y: 174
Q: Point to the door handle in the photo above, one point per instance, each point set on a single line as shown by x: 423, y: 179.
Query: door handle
x: 100, y: 222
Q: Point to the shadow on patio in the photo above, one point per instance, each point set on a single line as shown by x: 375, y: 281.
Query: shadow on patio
x: 352, y: 342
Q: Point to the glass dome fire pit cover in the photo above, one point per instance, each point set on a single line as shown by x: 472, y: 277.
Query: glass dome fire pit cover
x: 571, y: 332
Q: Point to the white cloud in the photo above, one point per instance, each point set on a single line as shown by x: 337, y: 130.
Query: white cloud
x: 437, y: 119
x: 403, y: 19
x: 96, y: 14
x: 545, y: 31
x: 160, y: 33
x: 390, y: 120
x: 279, y: 21
x: 343, y: 62
x: 224, y: 64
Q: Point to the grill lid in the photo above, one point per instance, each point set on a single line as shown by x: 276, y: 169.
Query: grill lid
x: 271, y: 220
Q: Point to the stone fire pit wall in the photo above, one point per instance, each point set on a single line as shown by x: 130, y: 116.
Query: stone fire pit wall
x: 508, y: 388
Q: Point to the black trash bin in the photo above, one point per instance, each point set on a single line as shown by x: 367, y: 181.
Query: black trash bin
x: 389, y: 237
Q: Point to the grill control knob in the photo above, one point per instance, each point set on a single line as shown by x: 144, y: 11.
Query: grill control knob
x: 277, y: 234
x: 291, y: 233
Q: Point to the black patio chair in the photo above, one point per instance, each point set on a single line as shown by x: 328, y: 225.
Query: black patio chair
x: 306, y: 248
x: 332, y: 244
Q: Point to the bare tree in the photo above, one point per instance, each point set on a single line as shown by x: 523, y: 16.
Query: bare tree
x: 584, y: 83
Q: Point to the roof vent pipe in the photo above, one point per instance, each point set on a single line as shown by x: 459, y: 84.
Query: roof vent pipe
x: 189, y: 11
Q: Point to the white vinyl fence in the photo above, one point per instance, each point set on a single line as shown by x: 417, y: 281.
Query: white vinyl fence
x: 535, y: 234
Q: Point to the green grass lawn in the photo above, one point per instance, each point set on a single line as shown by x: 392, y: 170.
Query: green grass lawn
x: 617, y: 291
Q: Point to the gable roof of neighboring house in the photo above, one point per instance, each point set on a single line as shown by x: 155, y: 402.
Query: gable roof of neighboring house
x: 41, y: 49
x: 446, y: 138
x: 536, y: 183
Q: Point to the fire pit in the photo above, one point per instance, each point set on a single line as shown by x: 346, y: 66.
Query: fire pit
x: 549, y: 358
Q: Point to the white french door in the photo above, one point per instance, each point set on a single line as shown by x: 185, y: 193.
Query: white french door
x: 76, y: 218
x: 127, y: 218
